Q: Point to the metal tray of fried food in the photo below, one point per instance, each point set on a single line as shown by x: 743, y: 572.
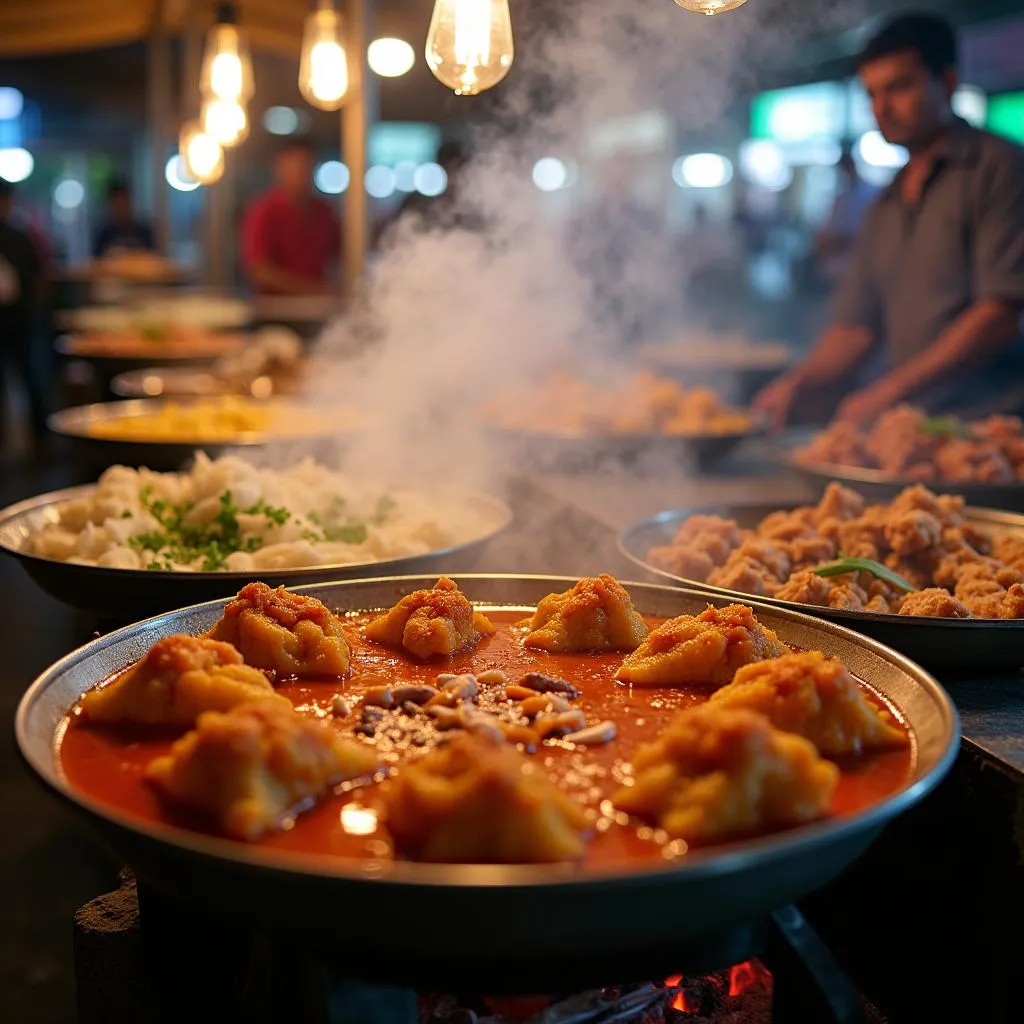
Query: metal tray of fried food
x: 126, y: 594
x: 197, y: 382
x: 561, y: 927
x: 560, y: 452
x: 939, y: 644
x: 877, y: 485
x: 78, y: 423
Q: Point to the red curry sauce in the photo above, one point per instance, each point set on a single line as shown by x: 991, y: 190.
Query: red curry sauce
x: 108, y: 764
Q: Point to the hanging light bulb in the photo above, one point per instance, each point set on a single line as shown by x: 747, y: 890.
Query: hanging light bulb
x: 469, y: 45
x: 710, y: 6
x: 323, y: 70
x: 227, y: 67
x: 202, y: 153
x: 225, y: 121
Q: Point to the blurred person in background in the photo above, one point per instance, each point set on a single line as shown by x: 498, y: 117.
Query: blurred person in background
x: 122, y: 229
x: 835, y: 242
x: 290, y: 237
x: 22, y: 292
x: 936, y: 278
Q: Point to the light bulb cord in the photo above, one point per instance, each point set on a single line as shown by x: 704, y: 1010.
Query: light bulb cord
x: 227, y: 13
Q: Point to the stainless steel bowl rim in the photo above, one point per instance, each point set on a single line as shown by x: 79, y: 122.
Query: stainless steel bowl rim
x: 697, y: 864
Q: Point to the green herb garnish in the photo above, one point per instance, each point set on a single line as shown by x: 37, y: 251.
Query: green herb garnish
x: 944, y: 427
x: 843, y: 565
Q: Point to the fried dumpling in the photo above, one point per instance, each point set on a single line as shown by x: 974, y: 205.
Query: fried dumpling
x: 291, y: 635
x: 178, y: 679
x: 248, y: 768
x: 716, y: 773
x: 815, y: 697
x: 595, y: 615
x: 431, y: 623
x: 700, y: 650
x: 478, y: 801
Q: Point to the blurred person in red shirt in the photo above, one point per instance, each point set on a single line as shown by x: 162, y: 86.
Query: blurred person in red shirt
x: 290, y: 237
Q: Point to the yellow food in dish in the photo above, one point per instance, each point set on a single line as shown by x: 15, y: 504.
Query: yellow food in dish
x: 431, y: 623
x: 179, y: 679
x: 292, y: 635
x: 815, y: 697
x: 476, y: 801
x: 701, y: 650
x: 248, y: 768
x: 595, y: 615
x: 225, y: 418
x: 716, y: 773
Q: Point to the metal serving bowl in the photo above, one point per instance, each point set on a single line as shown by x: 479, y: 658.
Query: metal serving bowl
x: 125, y: 594
x: 941, y: 644
x: 78, y: 423
x: 405, y: 923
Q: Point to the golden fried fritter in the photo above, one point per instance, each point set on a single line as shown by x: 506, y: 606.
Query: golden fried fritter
x: 910, y: 533
x: 701, y: 650
x: 289, y: 634
x: 840, y: 503
x: 746, y: 575
x: 726, y: 529
x: 691, y: 563
x: 478, y: 801
x: 805, y: 588
x: 934, y: 602
x: 814, y: 697
x: 248, y: 768
x: 431, y: 623
x: 595, y: 615
x: 178, y: 679
x: 716, y: 773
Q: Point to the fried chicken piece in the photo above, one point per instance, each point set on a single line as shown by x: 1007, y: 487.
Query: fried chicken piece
x: 1013, y: 603
x: 815, y: 697
x: 181, y: 677
x: 998, y: 604
x: 918, y: 571
x: 880, y: 604
x: 688, y: 562
x: 947, y: 508
x: 701, y: 650
x: 717, y: 773
x: 290, y: 634
x: 840, y: 503
x: 478, y: 801
x: 595, y: 615
x: 745, y: 575
x: 959, y: 561
x: 863, y: 537
x: 788, y: 526
x: 840, y: 443
x: 909, y: 533
x: 934, y: 603
x: 714, y: 545
x: 1009, y: 548
x: 246, y: 769
x: 727, y: 529
x: 431, y: 623
x: 977, y: 579
x: 806, y: 552
x: 962, y: 461
x: 805, y: 588
x: 998, y: 428
x: 773, y: 555
x: 848, y: 597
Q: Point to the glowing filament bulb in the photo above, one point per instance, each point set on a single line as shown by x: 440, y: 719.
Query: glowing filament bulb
x: 323, y: 70
x: 227, y: 67
x: 710, y: 6
x: 225, y: 121
x: 469, y: 45
x: 202, y: 153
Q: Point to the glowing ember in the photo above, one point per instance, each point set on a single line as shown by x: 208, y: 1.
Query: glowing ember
x: 742, y: 976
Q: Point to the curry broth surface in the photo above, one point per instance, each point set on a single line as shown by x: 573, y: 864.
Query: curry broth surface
x: 108, y: 764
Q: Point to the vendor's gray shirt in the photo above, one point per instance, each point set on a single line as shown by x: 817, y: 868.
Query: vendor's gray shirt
x: 917, y: 268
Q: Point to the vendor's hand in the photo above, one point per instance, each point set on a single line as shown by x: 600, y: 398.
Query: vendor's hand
x: 776, y: 400
x: 863, y: 407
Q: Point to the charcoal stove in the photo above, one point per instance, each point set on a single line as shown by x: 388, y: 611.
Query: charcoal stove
x: 142, y: 959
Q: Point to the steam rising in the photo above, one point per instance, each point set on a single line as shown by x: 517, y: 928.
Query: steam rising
x: 455, y: 315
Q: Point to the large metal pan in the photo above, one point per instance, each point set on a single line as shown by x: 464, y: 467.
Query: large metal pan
x: 877, y: 485
x: 398, y: 922
x: 78, y: 423
x: 124, y: 595
x: 196, y: 382
x: 557, y: 452
x: 940, y: 644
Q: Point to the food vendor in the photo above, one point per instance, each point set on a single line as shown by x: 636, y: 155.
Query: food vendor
x: 122, y: 229
x: 290, y: 238
x: 937, y: 277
